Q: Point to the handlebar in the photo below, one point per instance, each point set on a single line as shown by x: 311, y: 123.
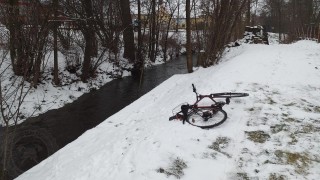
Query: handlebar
x: 226, y: 95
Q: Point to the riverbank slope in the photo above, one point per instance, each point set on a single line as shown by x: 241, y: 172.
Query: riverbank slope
x: 273, y: 133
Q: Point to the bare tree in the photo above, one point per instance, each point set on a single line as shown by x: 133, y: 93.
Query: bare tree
x: 129, y: 48
x: 101, y: 24
x: 165, y: 28
x: 140, y: 60
x: 29, y: 30
x: 224, y: 16
x: 83, y: 13
x: 296, y: 19
x: 55, y: 43
x: 188, y: 45
x: 152, y: 41
x: 248, y: 14
x: 12, y: 96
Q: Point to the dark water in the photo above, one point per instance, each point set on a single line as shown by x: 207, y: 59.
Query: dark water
x: 67, y: 123
x: 54, y: 129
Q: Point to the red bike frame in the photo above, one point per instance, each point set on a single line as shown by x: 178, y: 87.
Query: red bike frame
x: 200, y: 98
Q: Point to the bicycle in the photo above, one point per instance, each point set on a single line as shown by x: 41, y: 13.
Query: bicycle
x: 206, y: 116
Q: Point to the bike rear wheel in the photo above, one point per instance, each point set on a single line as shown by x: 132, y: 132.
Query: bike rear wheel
x: 207, y: 118
x: 229, y: 95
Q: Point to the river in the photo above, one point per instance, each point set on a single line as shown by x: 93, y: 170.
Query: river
x: 39, y: 137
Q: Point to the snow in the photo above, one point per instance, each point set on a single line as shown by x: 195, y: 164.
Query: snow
x: 48, y: 96
x: 140, y: 143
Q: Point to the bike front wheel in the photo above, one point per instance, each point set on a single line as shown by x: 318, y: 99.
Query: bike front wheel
x: 207, y: 118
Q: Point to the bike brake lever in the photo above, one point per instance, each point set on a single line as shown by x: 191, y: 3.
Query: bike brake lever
x: 194, y: 88
x: 227, y: 100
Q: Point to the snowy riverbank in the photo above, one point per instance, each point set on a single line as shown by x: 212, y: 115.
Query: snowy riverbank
x: 273, y: 133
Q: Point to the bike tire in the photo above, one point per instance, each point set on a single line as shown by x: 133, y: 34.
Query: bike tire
x: 195, y: 118
x: 229, y: 95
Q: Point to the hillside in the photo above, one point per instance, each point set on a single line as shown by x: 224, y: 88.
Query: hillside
x: 272, y: 134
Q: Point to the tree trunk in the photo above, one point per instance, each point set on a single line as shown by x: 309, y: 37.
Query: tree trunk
x: 279, y: 20
x: 36, y: 70
x: 128, y: 36
x: 55, y: 45
x: 188, y: 45
x: 224, y: 20
x: 153, y: 32
x: 38, y: 55
x: 178, y: 18
x: 248, y: 15
x: 86, y: 66
x: 196, y: 27
x: 16, y: 42
x: 90, y: 39
x: 139, y: 55
x: 166, y: 39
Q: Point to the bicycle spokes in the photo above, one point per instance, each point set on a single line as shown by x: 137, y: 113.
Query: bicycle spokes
x: 207, y: 118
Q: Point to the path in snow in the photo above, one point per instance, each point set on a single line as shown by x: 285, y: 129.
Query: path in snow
x: 272, y: 134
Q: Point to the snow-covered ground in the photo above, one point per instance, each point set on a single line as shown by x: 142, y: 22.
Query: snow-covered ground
x: 47, y: 96
x: 272, y: 134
